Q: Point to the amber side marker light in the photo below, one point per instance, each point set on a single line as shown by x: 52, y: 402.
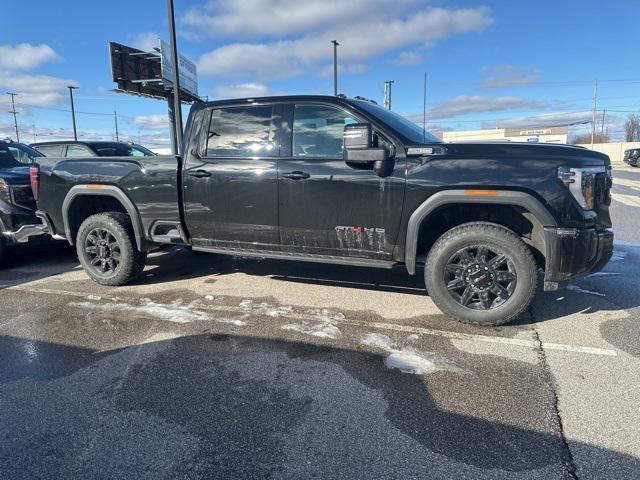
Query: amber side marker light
x: 94, y: 186
x: 482, y: 192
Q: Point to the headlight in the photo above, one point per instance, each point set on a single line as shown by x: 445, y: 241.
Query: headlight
x: 581, y: 183
x: 5, y: 191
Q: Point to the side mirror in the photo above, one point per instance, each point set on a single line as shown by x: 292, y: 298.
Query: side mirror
x: 358, y: 150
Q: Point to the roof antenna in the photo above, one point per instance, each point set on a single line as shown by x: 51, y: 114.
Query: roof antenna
x: 424, y: 111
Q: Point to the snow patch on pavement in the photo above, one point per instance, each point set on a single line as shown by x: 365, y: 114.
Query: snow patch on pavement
x: 249, y: 306
x: 324, y: 330
x: 323, y: 323
x: 176, y: 312
x: 408, y: 360
x: 577, y: 289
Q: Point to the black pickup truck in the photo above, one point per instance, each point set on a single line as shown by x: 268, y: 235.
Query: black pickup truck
x: 18, y: 222
x: 343, y: 181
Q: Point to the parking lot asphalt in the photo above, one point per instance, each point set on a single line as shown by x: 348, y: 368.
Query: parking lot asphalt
x: 222, y: 367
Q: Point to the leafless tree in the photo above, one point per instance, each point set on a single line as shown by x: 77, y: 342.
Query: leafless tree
x: 586, y: 138
x: 632, y: 128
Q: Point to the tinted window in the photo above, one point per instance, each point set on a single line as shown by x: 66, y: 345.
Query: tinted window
x: 78, y: 151
x: 119, y: 150
x: 241, y: 132
x: 50, y: 150
x: 318, y: 130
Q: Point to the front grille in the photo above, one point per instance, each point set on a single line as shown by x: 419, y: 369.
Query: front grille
x: 23, y: 196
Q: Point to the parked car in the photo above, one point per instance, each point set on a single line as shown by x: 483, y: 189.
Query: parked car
x: 17, y: 206
x: 91, y: 149
x: 344, y: 181
x: 632, y: 157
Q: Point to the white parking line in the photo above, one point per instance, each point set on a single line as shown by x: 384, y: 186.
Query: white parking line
x: 369, y: 325
x: 631, y: 200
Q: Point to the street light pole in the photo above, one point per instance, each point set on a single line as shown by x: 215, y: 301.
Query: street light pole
x: 73, y: 111
x: 335, y: 67
x: 15, y: 118
x: 177, y: 108
x: 115, y: 117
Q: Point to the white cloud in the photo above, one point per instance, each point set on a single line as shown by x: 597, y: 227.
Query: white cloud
x: 35, y: 90
x: 364, y: 30
x: 478, y: 104
x: 546, y: 120
x: 408, y: 59
x: 25, y: 56
x: 504, y: 76
x: 146, y: 41
x: 277, y: 18
x: 242, y: 90
x: 151, y: 122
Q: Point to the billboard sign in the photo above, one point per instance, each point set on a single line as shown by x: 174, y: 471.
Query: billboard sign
x: 187, y: 72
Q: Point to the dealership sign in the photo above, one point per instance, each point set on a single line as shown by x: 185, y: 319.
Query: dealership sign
x: 188, y: 75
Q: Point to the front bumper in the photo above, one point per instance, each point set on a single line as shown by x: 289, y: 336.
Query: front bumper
x: 575, y: 252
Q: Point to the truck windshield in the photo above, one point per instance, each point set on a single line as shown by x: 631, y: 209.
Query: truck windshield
x: 405, y: 127
x: 16, y: 155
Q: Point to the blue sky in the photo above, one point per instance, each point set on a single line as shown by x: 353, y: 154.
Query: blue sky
x: 489, y: 64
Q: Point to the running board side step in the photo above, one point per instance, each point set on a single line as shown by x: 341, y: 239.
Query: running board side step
x: 300, y: 257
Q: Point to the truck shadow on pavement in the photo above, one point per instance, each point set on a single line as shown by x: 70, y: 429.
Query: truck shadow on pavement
x: 226, y: 406
x: 28, y: 263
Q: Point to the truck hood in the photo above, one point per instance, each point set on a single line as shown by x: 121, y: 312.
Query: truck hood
x: 15, y: 175
x: 578, y: 156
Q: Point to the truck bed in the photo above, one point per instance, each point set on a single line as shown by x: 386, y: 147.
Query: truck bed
x: 151, y: 185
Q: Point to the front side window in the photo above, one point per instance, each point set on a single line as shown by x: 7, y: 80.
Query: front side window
x: 318, y: 130
x: 241, y: 132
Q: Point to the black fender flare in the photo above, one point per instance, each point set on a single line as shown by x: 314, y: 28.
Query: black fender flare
x: 445, y: 197
x: 105, y: 191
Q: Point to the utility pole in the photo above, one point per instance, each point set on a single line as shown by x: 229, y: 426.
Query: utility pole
x: 593, y: 116
x: 115, y: 118
x: 73, y: 111
x: 387, y: 93
x: 15, y: 118
x: 177, y: 106
x: 424, y: 110
x: 335, y: 67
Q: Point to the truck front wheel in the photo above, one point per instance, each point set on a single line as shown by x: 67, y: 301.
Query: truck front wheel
x: 107, y: 249
x: 481, y: 273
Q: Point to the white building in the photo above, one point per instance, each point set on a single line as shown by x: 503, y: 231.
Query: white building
x: 537, y: 135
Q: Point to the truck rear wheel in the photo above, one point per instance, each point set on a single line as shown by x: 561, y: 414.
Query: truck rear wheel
x: 107, y: 249
x: 481, y: 273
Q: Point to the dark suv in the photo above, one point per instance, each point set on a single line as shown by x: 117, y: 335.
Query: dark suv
x: 17, y: 205
x: 75, y: 149
x: 632, y: 157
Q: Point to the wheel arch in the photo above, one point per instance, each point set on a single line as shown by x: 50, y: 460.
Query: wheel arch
x: 444, y: 198
x: 100, y: 192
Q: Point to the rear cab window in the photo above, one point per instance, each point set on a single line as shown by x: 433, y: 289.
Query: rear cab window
x: 245, y: 131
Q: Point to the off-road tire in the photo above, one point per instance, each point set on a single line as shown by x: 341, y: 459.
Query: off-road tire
x: 131, y: 260
x: 498, y: 239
